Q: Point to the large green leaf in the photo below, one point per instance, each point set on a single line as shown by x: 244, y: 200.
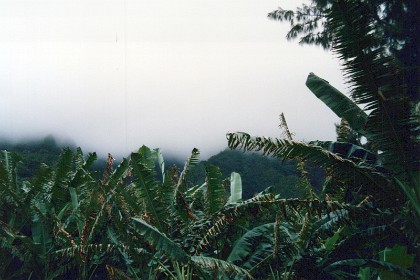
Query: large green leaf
x: 215, y: 192
x: 160, y: 242
x: 336, y: 268
x: 396, y: 255
x: 348, y: 151
x: 248, y: 250
x: 147, y: 188
x: 374, y: 182
x: 190, y: 162
x: 181, y: 208
x: 340, y: 104
x: 222, y: 268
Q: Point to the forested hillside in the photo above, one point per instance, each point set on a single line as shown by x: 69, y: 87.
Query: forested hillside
x: 257, y: 172
x: 33, y: 153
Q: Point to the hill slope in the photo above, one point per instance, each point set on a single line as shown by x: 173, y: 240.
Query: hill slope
x: 257, y: 172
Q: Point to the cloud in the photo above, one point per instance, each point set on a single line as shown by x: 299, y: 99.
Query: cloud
x: 165, y: 74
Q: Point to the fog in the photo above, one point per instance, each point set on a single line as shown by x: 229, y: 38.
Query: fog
x: 114, y: 75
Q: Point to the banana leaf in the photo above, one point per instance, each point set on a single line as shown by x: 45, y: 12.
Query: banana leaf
x: 340, y: 104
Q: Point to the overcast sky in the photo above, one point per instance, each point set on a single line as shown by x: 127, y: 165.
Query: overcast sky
x: 112, y: 75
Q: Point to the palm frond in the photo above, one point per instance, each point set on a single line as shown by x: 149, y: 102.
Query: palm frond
x: 91, y: 157
x: 64, y: 166
x: 179, y: 206
x: 308, y: 21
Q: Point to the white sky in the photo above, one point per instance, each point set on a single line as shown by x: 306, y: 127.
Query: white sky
x: 113, y: 75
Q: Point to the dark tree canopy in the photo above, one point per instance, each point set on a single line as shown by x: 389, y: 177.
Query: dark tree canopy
x: 393, y: 26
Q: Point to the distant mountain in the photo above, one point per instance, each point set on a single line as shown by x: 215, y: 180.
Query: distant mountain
x: 257, y: 172
x: 33, y: 153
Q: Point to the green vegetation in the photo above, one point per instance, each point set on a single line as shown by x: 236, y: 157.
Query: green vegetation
x: 33, y: 154
x: 258, y: 173
x: 144, y: 221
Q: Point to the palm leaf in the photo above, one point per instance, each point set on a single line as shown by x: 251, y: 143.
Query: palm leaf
x: 120, y: 173
x: 64, y: 166
x: 179, y: 205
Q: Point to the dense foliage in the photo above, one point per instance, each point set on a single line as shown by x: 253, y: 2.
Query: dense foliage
x: 33, y: 154
x: 258, y: 173
x: 66, y: 223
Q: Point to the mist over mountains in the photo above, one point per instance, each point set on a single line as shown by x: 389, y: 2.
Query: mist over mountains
x: 258, y: 172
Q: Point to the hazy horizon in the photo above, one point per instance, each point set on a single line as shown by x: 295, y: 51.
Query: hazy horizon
x: 114, y: 75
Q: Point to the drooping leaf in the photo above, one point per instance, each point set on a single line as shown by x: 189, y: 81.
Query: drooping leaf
x: 247, y: 248
x: 374, y: 181
x: 221, y: 267
x: 348, y: 151
x: 215, y: 192
x: 396, y: 255
x: 340, y: 104
x: 147, y: 187
x: 335, y: 268
x: 160, y: 242
x: 190, y: 162
x: 364, y: 273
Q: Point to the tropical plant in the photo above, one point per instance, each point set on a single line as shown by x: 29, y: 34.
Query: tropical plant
x: 382, y: 178
x: 130, y: 224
